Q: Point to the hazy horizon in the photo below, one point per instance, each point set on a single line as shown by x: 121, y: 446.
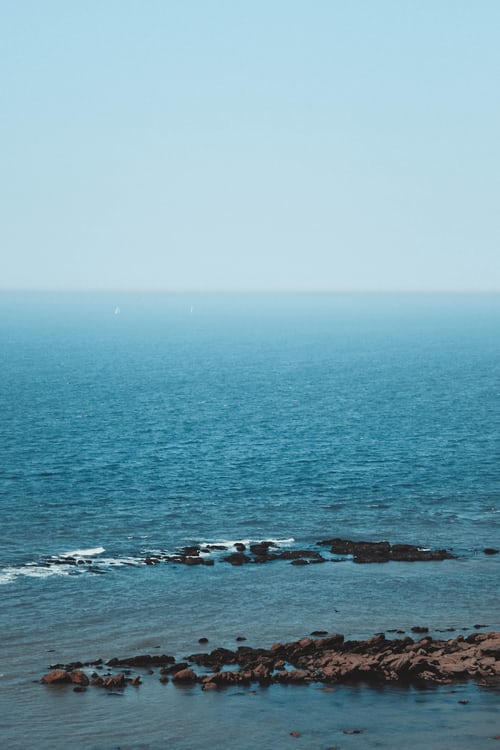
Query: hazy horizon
x: 265, y: 146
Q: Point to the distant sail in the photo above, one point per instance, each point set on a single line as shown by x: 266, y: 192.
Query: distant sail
x: 117, y: 310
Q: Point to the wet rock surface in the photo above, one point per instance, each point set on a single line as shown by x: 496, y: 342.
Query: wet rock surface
x: 264, y: 551
x: 373, y: 552
x: 330, y: 660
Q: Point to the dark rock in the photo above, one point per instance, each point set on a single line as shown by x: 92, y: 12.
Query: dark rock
x: 366, y: 552
x: 174, y: 668
x: 372, y: 552
x: 265, y: 558
x: 362, y: 551
x: 202, y: 640
x: 192, y: 551
x: 412, y: 553
x: 299, y: 562
x: 319, y: 632
x: 261, y: 548
x: 250, y: 657
x: 294, y: 554
x: 338, y: 546
x: 491, y: 551
x: 240, y: 638
x: 215, y: 659
x: 237, y: 558
x: 239, y: 547
x: 419, y: 629
x: 144, y: 660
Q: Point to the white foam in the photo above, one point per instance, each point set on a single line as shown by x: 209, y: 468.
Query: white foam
x: 84, y: 552
x: 8, y: 575
x: 59, y: 570
x: 118, y: 562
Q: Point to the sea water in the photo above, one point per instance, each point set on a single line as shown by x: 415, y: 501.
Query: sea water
x: 132, y: 425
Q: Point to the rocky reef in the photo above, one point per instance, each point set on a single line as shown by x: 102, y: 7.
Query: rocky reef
x: 330, y: 660
x: 269, y: 551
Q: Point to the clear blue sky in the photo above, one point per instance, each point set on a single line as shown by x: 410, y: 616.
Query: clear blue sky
x: 257, y: 144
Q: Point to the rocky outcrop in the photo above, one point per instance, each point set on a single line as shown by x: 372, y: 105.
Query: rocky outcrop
x: 56, y: 677
x: 264, y: 551
x: 377, y: 552
x: 330, y: 659
x: 378, y: 659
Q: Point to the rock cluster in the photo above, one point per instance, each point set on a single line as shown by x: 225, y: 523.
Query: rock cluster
x: 330, y: 659
x: 376, y: 552
x: 267, y: 551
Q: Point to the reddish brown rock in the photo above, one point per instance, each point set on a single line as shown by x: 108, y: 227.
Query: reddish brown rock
x: 185, y: 676
x: 79, y: 678
x: 56, y: 677
x: 114, y: 681
x: 491, y: 647
x: 262, y: 672
x: 331, y: 660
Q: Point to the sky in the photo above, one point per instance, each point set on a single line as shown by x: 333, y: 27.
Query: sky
x: 344, y: 145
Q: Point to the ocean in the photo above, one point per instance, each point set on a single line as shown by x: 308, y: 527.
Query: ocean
x: 133, y: 425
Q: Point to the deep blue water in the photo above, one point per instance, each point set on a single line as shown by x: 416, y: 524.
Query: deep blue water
x: 184, y: 419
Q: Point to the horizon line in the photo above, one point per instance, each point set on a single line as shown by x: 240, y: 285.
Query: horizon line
x: 292, y: 290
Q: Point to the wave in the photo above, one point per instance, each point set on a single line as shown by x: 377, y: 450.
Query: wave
x: 30, y: 570
x: 84, y: 552
x: 76, y: 562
